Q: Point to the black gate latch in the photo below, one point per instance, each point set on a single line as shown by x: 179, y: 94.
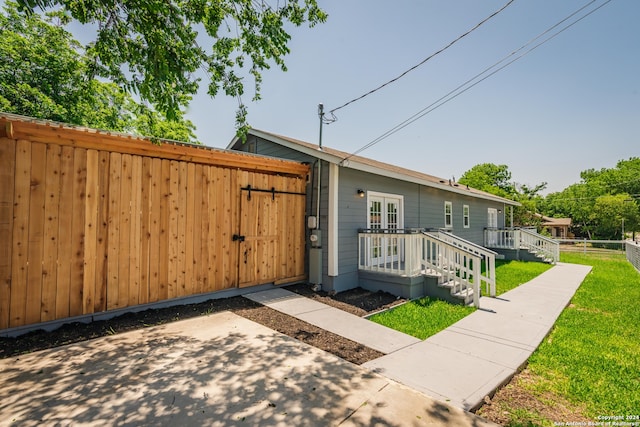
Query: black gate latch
x: 237, y: 237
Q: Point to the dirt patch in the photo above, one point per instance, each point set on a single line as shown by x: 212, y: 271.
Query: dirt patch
x: 356, y: 301
x: 516, y: 404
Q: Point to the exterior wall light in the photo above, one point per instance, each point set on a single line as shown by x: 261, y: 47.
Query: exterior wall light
x: 360, y: 193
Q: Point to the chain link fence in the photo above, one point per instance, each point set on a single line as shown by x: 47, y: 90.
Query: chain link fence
x: 633, y: 253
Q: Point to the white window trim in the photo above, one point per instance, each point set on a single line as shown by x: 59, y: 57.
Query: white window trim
x: 448, y: 224
x: 466, y: 214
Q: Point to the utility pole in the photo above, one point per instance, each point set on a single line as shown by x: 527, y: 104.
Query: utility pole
x: 321, y: 116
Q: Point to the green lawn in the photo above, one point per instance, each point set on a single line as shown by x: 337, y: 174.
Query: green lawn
x: 592, y: 356
x: 422, y: 318
x: 511, y: 274
x: 426, y: 317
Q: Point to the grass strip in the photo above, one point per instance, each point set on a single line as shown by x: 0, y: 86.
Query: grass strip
x: 422, y: 318
x: 511, y: 274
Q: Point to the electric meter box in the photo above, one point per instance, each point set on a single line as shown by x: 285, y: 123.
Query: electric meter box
x: 315, y: 238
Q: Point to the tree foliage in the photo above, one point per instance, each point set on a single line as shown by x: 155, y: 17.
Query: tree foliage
x: 43, y: 74
x: 601, y: 202
x: 598, y: 206
x: 152, y: 47
x: 496, y: 179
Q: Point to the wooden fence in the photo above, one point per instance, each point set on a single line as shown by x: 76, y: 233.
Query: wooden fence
x: 91, y: 222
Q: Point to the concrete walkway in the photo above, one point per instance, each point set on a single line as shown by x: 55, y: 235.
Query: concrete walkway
x: 363, y: 331
x: 470, y: 359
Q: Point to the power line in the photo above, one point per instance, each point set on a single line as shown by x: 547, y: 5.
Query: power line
x: 459, y: 90
x: 334, y: 118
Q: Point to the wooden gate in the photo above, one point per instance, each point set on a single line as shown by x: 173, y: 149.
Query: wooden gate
x: 271, y: 233
x: 92, y: 221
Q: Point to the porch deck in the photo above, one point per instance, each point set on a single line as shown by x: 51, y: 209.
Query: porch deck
x: 413, y: 263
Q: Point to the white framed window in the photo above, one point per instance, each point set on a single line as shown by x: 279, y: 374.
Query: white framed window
x: 448, y: 215
x: 465, y: 216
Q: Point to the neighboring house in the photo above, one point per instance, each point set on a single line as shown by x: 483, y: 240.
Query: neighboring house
x: 558, y: 228
x: 360, y: 208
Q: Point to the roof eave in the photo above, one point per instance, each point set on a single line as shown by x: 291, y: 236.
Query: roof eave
x: 353, y: 163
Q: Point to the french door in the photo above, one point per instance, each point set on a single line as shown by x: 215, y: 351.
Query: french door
x: 385, y: 213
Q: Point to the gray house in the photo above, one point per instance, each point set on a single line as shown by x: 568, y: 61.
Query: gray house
x: 383, y: 227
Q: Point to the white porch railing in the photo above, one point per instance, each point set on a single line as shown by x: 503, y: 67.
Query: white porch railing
x: 488, y: 277
x: 412, y: 252
x: 520, y: 238
x: 543, y: 245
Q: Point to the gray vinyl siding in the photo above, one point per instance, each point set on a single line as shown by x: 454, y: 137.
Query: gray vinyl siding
x: 423, y: 208
x: 432, y: 213
x: 268, y: 148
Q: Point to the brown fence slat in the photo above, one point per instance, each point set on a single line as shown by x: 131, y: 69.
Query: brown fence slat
x: 51, y: 207
x: 19, y: 255
x: 190, y: 207
x: 36, y: 233
x: 135, y: 236
x: 102, y: 234
x: 65, y: 217
x: 92, y: 194
x: 196, y: 231
x: 164, y: 226
x: 124, y: 248
x: 76, y: 283
x: 7, y: 183
x: 113, y: 247
x: 181, y: 231
x: 213, y: 277
x: 145, y: 229
x: 174, y: 207
x: 155, y: 199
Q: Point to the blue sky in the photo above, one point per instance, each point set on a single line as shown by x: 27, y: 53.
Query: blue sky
x: 571, y: 104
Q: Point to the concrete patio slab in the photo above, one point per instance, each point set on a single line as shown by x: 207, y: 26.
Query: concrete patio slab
x: 363, y: 331
x: 217, y: 370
